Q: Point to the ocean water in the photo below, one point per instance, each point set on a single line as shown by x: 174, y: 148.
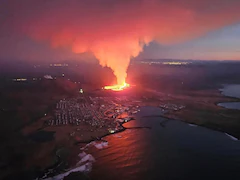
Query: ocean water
x: 230, y: 105
x: 232, y: 91
x: 169, y: 150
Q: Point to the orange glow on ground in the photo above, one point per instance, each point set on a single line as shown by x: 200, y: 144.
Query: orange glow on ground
x: 117, y: 87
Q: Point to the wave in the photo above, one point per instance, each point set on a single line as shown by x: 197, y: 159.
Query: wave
x: 98, y: 145
x: 101, y: 145
x: 231, y: 137
x: 83, y: 168
x: 87, y: 145
x: 193, y: 125
x: 85, y: 162
x: 87, y: 158
x: 82, y: 154
x: 84, y: 165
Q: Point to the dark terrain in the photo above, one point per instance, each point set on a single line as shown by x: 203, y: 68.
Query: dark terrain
x: 22, y: 103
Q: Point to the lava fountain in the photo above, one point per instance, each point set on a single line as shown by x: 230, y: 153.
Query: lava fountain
x: 117, y: 87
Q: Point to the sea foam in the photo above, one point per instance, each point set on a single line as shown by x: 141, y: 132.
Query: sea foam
x: 82, y: 154
x: 231, y: 137
x: 84, y: 165
x: 87, y: 158
x: 192, y: 125
x: 84, y: 168
x: 87, y: 145
x: 101, y: 145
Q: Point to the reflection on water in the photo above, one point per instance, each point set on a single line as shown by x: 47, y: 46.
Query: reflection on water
x: 173, y: 151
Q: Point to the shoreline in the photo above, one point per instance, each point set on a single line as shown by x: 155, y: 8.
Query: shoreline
x: 169, y: 115
x: 196, y: 125
x: 204, y: 126
x: 89, y: 142
x: 221, y: 90
x: 193, y: 124
x: 197, y: 114
x: 73, y: 167
x: 105, y: 135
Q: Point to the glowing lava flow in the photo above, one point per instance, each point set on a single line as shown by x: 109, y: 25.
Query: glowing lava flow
x: 117, y: 87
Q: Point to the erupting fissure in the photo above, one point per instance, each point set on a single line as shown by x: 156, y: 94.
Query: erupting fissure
x: 117, y: 87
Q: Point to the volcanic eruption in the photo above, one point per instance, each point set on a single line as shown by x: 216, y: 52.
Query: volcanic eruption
x: 115, y: 31
x: 118, y: 87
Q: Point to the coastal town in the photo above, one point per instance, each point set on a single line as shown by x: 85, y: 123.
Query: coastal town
x: 96, y: 112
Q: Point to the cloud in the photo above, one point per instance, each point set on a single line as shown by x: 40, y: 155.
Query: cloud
x: 116, y: 30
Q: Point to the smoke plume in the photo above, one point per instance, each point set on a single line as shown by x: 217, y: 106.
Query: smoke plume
x: 117, y: 30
